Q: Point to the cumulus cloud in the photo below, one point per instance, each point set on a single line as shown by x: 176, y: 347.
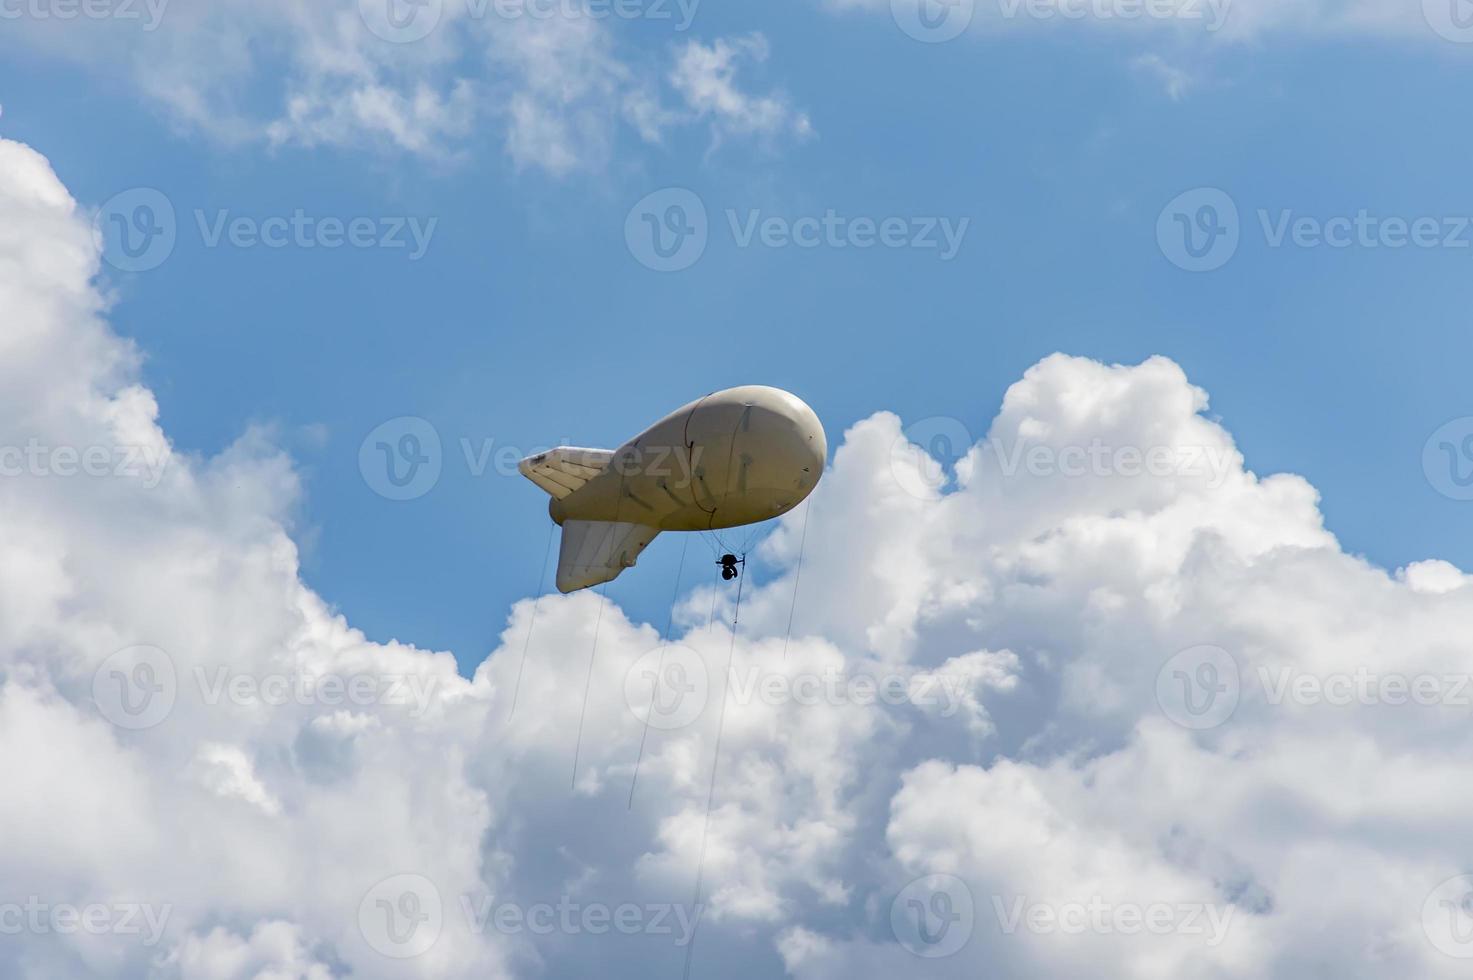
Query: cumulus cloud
x: 994, y: 733
x: 414, y: 76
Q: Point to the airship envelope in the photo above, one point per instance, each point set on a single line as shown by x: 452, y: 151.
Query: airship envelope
x: 732, y: 458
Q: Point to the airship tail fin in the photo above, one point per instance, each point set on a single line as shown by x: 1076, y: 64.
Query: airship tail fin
x: 562, y: 470
x: 597, y: 551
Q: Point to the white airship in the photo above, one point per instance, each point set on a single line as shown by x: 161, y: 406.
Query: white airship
x: 733, y: 458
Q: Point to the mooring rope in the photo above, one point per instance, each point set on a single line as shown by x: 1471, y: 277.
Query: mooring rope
x: 715, y: 762
x: 797, y: 575
x: 537, y: 601
x: 711, y: 617
x: 588, y: 684
x: 660, y: 670
x: 593, y: 654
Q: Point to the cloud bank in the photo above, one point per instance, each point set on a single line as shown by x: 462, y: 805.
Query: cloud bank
x: 1096, y: 699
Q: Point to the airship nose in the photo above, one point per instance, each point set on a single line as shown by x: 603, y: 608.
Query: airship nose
x: 811, y: 445
x: 817, y: 443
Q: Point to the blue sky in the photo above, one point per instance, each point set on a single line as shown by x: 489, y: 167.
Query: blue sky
x: 528, y: 322
x: 469, y: 235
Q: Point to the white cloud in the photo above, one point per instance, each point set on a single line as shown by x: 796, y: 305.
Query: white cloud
x: 705, y: 77
x: 272, y: 950
x: 561, y: 90
x: 1228, y: 19
x: 1175, y: 81
x: 271, y: 838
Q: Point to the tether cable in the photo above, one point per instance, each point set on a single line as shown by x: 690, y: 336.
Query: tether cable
x: 797, y: 575
x: 527, y: 642
x: 715, y: 762
x: 598, y: 623
x: 659, y: 671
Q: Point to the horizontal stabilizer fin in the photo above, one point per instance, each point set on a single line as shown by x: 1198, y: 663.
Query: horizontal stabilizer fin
x: 597, y: 551
x: 562, y: 470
